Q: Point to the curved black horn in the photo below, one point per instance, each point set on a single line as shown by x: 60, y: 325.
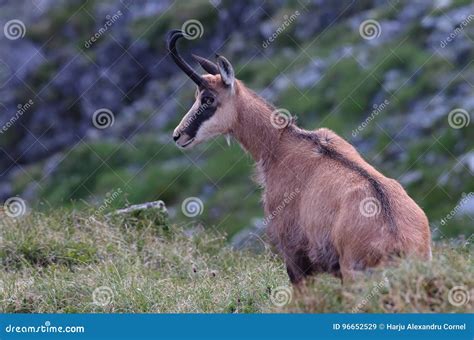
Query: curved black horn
x: 207, y: 65
x: 171, y: 40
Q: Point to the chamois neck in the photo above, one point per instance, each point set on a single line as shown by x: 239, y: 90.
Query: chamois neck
x: 253, y: 128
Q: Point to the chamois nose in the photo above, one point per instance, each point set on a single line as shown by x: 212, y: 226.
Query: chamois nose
x: 176, y: 136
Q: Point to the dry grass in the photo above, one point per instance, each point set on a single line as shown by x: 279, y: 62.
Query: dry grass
x: 411, y: 287
x: 141, y: 263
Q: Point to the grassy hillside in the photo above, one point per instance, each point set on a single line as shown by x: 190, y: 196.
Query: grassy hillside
x: 71, y: 262
x: 320, y: 68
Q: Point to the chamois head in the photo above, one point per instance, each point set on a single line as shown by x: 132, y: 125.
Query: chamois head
x: 213, y: 113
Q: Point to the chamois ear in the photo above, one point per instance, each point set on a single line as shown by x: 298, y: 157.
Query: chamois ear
x: 226, y: 70
x: 207, y: 65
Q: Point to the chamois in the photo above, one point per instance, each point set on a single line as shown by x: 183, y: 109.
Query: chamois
x: 340, y: 215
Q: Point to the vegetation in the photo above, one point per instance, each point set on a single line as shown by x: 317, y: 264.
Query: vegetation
x: 139, y: 262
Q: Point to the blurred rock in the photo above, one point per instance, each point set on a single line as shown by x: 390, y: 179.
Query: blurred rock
x: 411, y: 177
x: 466, y: 205
x: 251, y: 238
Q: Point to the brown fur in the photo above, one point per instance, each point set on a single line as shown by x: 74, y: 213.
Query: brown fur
x: 321, y: 228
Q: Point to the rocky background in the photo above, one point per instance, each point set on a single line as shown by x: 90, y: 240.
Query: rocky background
x: 395, y: 78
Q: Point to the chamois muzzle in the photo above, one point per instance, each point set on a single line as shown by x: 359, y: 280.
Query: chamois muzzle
x: 171, y: 40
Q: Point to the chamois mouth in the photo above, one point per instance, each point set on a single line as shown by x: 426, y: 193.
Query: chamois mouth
x: 187, y: 143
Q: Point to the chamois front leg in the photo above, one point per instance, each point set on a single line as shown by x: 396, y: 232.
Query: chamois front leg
x: 298, y: 266
x: 292, y: 247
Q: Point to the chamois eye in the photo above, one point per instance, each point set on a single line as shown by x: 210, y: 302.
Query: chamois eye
x: 208, y: 100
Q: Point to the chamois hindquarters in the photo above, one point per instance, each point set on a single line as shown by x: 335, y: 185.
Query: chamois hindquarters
x: 362, y: 238
x: 412, y: 223
x: 368, y: 240
x: 371, y: 217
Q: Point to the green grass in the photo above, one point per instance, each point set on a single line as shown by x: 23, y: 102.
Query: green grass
x: 66, y: 262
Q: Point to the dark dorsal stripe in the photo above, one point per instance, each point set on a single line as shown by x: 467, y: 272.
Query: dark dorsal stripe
x: 377, y: 187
